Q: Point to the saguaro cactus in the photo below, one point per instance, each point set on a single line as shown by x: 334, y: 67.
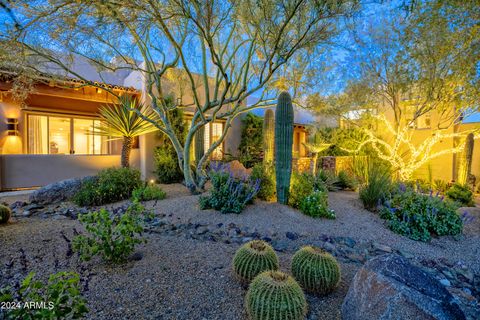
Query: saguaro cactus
x: 283, y: 146
x: 199, y: 144
x: 268, y: 136
x: 466, y: 160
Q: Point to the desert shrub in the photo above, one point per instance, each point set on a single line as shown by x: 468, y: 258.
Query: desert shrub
x: 167, y: 169
x: 5, y: 214
x: 110, y: 185
x: 228, y: 193
x: 375, y: 191
x: 301, y: 186
x: 418, y: 215
x: 461, y: 194
x: 326, y: 179
x: 250, y: 150
x: 440, y: 185
x: 346, y: 181
x: 114, y: 237
x: 266, y: 175
x: 148, y: 192
x: 60, y: 295
x: 316, y: 205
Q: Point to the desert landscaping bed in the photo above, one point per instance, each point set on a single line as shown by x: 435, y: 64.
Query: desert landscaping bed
x: 184, y: 271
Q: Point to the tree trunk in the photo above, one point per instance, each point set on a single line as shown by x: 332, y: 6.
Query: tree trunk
x: 126, y: 149
x: 187, y: 170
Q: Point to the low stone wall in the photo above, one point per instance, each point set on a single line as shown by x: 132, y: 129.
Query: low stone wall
x: 302, y: 164
x: 340, y: 163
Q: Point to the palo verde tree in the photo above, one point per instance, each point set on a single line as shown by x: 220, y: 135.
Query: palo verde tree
x: 227, y: 51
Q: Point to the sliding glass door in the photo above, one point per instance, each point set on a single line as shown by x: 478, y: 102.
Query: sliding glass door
x: 64, y: 135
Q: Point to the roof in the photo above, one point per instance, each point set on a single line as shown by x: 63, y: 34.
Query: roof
x: 81, y: 69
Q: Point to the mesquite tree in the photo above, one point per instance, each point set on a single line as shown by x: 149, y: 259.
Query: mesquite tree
x: 226, y: 51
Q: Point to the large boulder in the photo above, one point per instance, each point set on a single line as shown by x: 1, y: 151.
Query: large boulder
x: 389, y: 287
x: 59, y: 191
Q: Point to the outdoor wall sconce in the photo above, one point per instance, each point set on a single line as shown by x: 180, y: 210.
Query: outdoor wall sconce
x: 12, y: 127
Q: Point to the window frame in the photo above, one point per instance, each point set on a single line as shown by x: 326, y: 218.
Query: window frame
x: 69, y: 116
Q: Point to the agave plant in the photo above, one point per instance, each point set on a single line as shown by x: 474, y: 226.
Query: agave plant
x: 124, y: 121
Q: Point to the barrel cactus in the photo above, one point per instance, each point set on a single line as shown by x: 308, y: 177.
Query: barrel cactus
x: 199, y: 143
x: 466, y: 160
x: 5, y: 214
x: 316, y: 270
x: 274, y: 295
x: 253, y: 258
x: 268, y: 136
x: 283, y: 146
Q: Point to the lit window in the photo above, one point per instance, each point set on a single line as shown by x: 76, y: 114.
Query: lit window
x: 64, y: 135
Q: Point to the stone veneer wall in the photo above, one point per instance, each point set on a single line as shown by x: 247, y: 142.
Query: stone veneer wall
x: 302, y: 164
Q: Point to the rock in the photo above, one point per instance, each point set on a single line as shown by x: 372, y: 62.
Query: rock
x: 280, y: 245
x: 17, y: 204
x: 238, y: 170
x: 33, y: 207
x: 349, y: 242
x: 328, y: 246
x: 381, y: 247
x: 291, y: 235
x: 445, y: 282
x: 389, y: 287
x: 58, y: 191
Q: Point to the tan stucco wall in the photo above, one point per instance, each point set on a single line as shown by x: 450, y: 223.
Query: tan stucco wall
x: 24, y: 171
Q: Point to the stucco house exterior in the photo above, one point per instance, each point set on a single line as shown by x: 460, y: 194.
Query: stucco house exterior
x: 44, y: 139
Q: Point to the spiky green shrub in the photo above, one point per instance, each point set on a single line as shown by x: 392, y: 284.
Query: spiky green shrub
x: 265, y: 173
x: 268, y: 137
x: 283, y: 146
x: 466, y: 160
x: 461, y: 194
x: 5, y: 214
x: 114, y: 237
x: 346, y: 181
x: 376, y: 189
x: 316, y: 270
x: 61, y: 296
x: 253, y: 258
x: 274, y: 295
x: 110, y: 185
x: 302, y: 185
x: 147, y: 193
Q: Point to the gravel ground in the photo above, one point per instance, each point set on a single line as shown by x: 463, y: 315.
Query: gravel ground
x: 178, y: 278
x: 352, y: 221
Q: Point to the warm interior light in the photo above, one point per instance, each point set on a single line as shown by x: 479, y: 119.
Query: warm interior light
x: 99, y: 90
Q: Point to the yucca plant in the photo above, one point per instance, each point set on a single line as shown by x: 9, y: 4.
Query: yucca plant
x: 124, y: 121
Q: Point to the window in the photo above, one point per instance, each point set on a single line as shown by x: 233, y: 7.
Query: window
x: 213, y: 132
x: 64, y: 135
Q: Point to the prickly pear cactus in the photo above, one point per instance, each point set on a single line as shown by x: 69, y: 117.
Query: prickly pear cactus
x: 199, y: 144
x: 466, y: 160
x: 253, y: 258
x: 316, y: 270
x: 268, y: 137
x: 274, y: 295
x: 283, y: 145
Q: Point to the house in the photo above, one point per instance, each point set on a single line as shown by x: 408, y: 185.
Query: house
x: 44, y: 138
